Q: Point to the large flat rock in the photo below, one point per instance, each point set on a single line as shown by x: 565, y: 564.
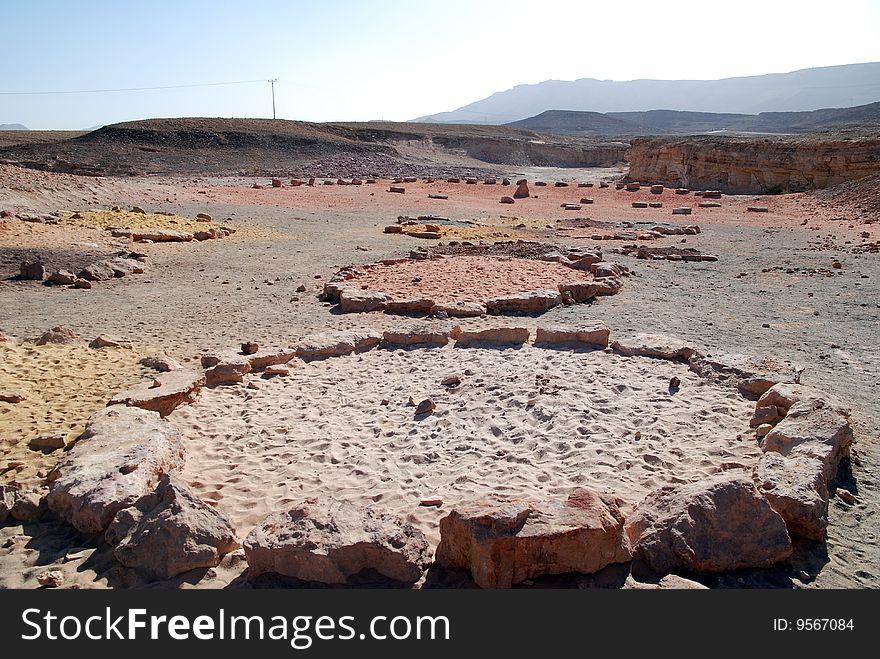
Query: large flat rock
x: 163, y: 393
x: 120, y: 457
x: 658, y: 346
x: 594, y: 334
x: 526, y: 302
x: 751, y: 375
x: 332, y: 541
x: 504, y: 541
x: 796, y: 489
x: 336, y: 344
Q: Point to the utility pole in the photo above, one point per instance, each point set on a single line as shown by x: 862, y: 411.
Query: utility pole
x: 272, y: 82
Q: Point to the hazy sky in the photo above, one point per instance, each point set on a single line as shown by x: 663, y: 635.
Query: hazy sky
x: 388, y: 60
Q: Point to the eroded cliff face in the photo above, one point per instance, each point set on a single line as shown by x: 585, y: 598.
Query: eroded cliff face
x: 537, y: 153
x: 738, y: 165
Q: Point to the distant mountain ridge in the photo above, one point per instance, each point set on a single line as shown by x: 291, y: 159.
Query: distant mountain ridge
x: 807, y: 89
x: 13, y: 127
x: 676, y: 122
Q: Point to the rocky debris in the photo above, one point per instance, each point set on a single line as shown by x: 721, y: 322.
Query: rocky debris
x: 62, y: 278
x: 796, y: 489
x: 669, y: 253
x: 333, y: 541
x: 579, y: 291
x: 505, y: 541
x: 607, y: 285
x: 717, y: 524
x: 11, y: 397
x: 507, y: 200
x: 583, y: 261
x: 591, y: 334
x: 658, y: 346
x: 522, y: 190
x: 48, y: 441
x: 34, y: 270
x: 162, y: 363
x: 336, y: 344
x: 107, y: 341
x: 119, y: 458
x: 751, y: 375
x: 494, y: 336
x: 50, y: 578
x: 425, y: 335
x: 353, y: 300
x: 170, y: 531
x: 816, y: 429
x: 164, y: 393
x: 153, y: 235
x: 20, y: 504
x: 231, y: 372
x: 111, y: 269
x: 460, y: 309
x: 258, y: 360
x: 682, y: 210
x: 60, y: 335
x: 526, y: 302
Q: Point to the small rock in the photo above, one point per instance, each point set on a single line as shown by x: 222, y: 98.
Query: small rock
x: 431, y: 503
x: 34, y: 270
x: 427, y: 406
x: 50, y: 578
x: 846, y: 496
x: 451, y: 381
x: 674, y: 383
x: 249, y: 348
x: 11, y: 397
x: 48, y: 441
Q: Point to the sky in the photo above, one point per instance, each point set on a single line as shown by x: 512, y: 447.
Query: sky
x: 381, y: 59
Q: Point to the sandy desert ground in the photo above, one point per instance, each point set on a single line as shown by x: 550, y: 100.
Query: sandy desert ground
x: 800, y: 282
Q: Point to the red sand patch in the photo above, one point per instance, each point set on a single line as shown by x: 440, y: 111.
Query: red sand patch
x: 465, y: 278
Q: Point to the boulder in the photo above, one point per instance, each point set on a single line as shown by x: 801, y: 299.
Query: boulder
x: 607, y: 285
x: 330, y: 542
x: 526, y: 302
x: 590, y: 334
x: 170, y: 531
x: 522, y: 190
x: 504, y: 541
x: 120, y: 457
x: 784, y: 395
x: 814, y: 429
x: 51, y: 441
x: 164, y: 393
x: 580, y: 291
x: 425, y: 335
x: 60, y: 335
x: 34, y: 270
x: 62, y: 278
x: 231, y: 372
x: 336, y: 344
x: 658, y: 346
x: 605, y: 269
x: 494, y: 336
x: 717, y: 524
x: 97, y: 272
x: 796, y: 489
x: 585, y: 262
x: 752, y: 376
x: 353, y: 300
x: 459, y: 309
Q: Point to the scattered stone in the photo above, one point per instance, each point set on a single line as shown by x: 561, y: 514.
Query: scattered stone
x: 507, y: 200
x: 164, y: 393
x: 50, y: 578
x: 357, y: 301
x: 333, y: 541
x: 426, y: 406
x: 48, y: 442
x: 674, y: 383
x: 231, y: 372
x: 204, y: 217
x: 571, y: 207
x: 276, y: 370
x: 751, y: 375
x: 432, y: 503
x: 709, y: 204
x: 119, y: 458
x: 505, y: 541
x: 438, y: 196
x: 170, y: 531
x: 397, y: 189
x: 11, y: 397
x: 684, y: 210
x: 717, y: 524
x: 640, y: 204
x: 60, y: 335
x: 62, y: 278
x: 655, y: 204
x: 758, y: 209
x: 590, y: 334
x: 451, y: 380
x: 656, y: 189
x: 586, y: 200
x: 250, y: 348
x: 522, y: 190
x: 846, y: 496
x: 633, y: 187
x: 460, y: 309
x: 426, y: 335
x: 153, y: 235
x: 579, y: 291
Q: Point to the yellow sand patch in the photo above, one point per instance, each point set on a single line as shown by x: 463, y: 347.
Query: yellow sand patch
x: 129, y: 220
x: 474, y: 232
x: 63, y: 386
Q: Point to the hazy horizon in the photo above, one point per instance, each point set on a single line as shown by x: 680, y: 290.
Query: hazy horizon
x: 385, y: 60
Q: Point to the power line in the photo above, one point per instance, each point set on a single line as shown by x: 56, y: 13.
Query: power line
x: 130, y: 89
